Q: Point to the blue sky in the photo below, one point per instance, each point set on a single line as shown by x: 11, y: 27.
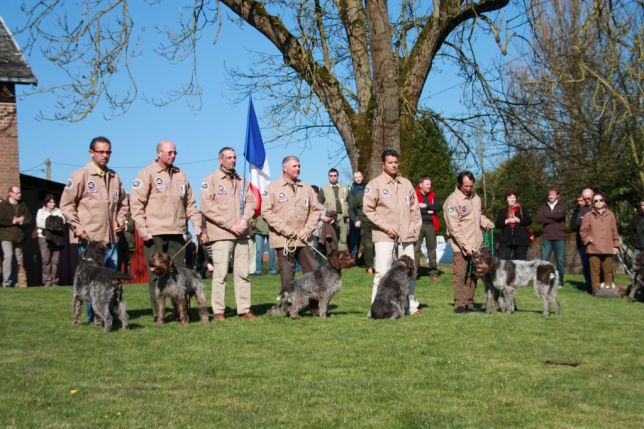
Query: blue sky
x: 198, y: 134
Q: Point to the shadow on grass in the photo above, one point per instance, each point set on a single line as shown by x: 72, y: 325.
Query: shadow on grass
x: 579, y: 285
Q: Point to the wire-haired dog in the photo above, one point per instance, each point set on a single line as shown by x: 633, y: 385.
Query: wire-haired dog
x: 503, y: 278
x: 179, y: 284
x: 314, y: 289
x: 392, y: 301
x: 100, y: 286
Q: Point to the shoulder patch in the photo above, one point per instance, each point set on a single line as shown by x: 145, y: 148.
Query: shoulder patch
x: 69, y: 185
x: 204, y: 186
x: 367, y: 190
x: 451, y: 211
x: 265, y: 193
x: 137, y: 184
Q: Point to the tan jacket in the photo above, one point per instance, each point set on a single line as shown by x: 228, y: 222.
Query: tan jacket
x: 94, y: 202
x: 288, y: 212
x: 464, y: 221
x: 220, y: 203
x: 392, y: 203
x: 161, y: 201
x: 599, y: 233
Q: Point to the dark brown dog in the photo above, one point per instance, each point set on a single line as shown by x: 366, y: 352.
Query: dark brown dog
x: 179, y: 284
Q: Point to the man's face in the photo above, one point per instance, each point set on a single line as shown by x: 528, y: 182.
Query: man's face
x: 333, y: 178
x: 357, y: 177
x: 588, y: 196
x: 425, y: 186
x: 15, y: 193
x: 167, y: 154
x: 292, y: 169
x: 553, y: 196
x: 391, y: 165
x: 228, y: 160
x: 467, y: 186
x: 101, y: 153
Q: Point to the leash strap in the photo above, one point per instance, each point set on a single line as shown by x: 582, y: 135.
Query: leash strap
x: 180, y: 250
x: 394, y: 251
x: 488, y: 239
x: 308, y: 243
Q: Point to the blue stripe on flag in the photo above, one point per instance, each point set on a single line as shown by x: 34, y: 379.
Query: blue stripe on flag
x: 254, y: 147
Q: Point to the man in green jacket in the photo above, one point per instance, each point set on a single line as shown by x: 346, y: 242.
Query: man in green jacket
x: 14, y: 220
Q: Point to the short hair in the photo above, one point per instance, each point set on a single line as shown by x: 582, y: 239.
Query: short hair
x: 316, y: 188
x: 12, y: 187
x: 48, y: 198
x: 553, y: 189
x: 224, y: 149
x: 463, y: 174
x: 99, y: 139
x: 388, y: 152
x: 422, y: 179
x: 509, y: 192
x: 333, y: 170
x: 164, y: 142
x: 289, y: 158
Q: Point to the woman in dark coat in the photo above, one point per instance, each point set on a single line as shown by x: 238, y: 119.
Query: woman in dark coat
x: 513, y: 222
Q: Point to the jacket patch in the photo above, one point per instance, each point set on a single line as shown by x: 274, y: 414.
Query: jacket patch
x: 281, y: 197
x: 221, y: 190
x: 306, y: 202
x: 367, y: 190
x: 464, y: 210
x: 204, y: 186
x: 137, y: 184
x: 159, y: 183
x: 385, y: 193
x: 91, y: 187
x: 69, y: 185
x: 451, y: 211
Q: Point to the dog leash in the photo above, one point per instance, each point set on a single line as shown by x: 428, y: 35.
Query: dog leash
x: 290, y: 241
x: 488, y: 240
x: 308, y: 243
x: 180, y: 250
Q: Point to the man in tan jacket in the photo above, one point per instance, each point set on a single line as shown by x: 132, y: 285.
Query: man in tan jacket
x: 292, y: 214
x: 464, y: 220
x: 94, y: 204
x: 161, y: 202
x: 390, y: 203
x: 228, y: 216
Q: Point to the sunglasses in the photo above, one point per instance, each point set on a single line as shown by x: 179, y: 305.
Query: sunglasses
x: 600, y: 200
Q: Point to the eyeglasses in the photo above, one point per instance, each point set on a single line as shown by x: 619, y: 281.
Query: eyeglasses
x: 598, y: 200
x: 103, y: 152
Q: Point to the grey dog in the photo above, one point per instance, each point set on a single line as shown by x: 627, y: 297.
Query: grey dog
x: 179, y: 284
x: 392, y: 301
x: 503, y: 278
x: 100, y: 286
x: 314, y: 289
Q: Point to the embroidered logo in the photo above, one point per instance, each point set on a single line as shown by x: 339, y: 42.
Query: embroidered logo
x: 281, y: 197
x: 451, y: 211
x: 367, y: 190
x: 69, y: 185
x: 137, y: 184
x: 159, y: 183
x: 91, y: 187
x: 221, y: 190
x: 204, y: 186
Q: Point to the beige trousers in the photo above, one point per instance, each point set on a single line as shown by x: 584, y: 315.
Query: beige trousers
x: 221, y: 254
x: 383, y: 260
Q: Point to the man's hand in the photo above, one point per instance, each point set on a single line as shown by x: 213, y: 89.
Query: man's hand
x: 422, y: 205
x: 118, y: 227
x: 239, y: 228
x: 615, y: 250
x: 357, y: 224
x: 147, y: 237
x: 303, y: 235
x: 84, y: 237
x: 326, y: 219
x: 197, y: 231
x: 392, y: 233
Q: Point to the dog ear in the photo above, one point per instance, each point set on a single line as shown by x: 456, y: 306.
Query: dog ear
x: 333, y: 259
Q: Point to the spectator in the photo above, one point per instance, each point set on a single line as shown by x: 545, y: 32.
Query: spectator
x: 584, y: 206
x: 49, y: 241
x: 553, y: 217
x: 260, y: 231
x: 513, y: 222
x: 430, y: 206
x: 363, y: 224
x: 357, y: 188
x: 14, y: 220
x: 335, y: 199
x: 599, y: 233
x: 636, y: 236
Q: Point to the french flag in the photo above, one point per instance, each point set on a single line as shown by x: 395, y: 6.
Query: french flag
x: 255, y: 154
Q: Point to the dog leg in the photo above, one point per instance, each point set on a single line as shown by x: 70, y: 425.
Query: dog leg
x: 76, y: 309
x: 544, y: 298
x: 160, y: 310
x: 182, y: 310
x: 294, y: 312
x: 122, y: 314
x: 323, y: 308
x: 201, y: 305
x: 102, y: 310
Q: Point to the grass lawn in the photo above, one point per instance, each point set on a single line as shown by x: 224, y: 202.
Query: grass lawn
x: 439, y: 370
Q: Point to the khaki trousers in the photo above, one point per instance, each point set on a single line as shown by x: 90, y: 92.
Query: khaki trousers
x: 463, y: 284
x: 221, y: 253
x: 599, y: 263
x: 383, y: 260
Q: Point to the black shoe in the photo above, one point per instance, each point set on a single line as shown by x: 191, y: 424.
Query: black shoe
x: 460, y: 310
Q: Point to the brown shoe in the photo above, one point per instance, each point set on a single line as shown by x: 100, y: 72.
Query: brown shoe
x: 248, y: 315
x: 370, y: 271
x: 219, y: 316
x: 418, y: 313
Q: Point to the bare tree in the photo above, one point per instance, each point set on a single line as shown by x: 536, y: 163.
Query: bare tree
x: 359, y: 67
x: 578, y: 92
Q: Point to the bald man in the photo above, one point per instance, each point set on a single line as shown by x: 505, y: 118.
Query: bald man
x: 161, y: 202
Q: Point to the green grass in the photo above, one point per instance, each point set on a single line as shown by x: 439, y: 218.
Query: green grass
x: 440, y: 370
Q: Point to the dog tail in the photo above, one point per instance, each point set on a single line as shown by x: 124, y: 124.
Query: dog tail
x: 554, y: 281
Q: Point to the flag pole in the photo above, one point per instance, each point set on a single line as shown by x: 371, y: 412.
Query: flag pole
x: 243, y: 193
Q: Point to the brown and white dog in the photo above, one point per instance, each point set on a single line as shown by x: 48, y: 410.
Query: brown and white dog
x: 179, y: 284
x: 503, y: 278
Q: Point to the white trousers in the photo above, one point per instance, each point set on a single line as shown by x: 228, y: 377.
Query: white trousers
x: 383, y: 260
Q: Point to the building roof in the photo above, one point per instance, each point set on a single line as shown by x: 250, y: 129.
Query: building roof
x: 13, y: 67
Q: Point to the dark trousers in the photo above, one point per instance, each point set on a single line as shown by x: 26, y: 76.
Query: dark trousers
x: 559, y: 247
x: 170, y: 244
x: 303, y: 255
x: 368, y: 250
x: 427, y: 232
x: 463, y: 283
x: 585, y: 263
x: 354, y: 239
x: 513, y: 252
